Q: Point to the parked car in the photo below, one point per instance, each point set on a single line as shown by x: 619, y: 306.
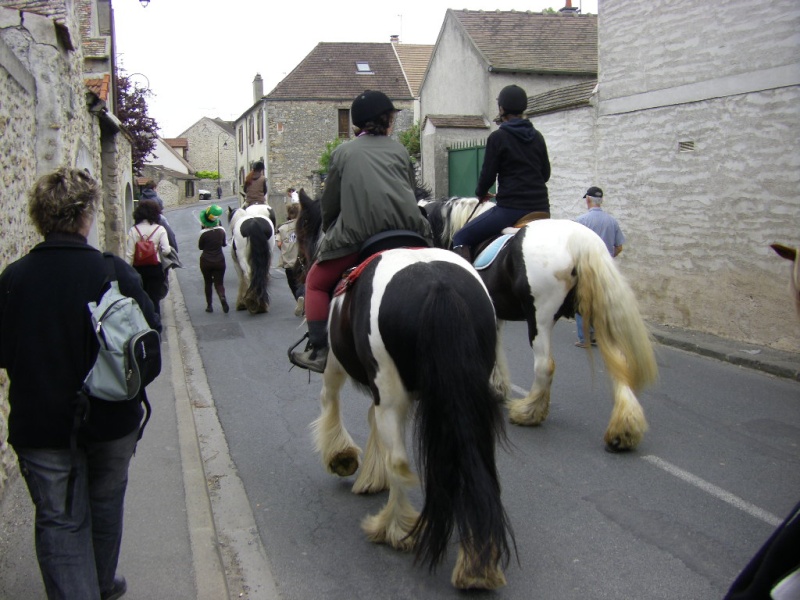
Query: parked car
x: 205, y: 195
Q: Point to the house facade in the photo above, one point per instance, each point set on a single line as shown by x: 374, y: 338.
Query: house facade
x: 211, y: 146
x: 175, y: 180
x: 538, y: 52
x: 289, y: 127
x: 57, y: 112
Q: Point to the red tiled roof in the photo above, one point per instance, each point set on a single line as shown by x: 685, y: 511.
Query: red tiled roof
x: 99, y: 86
x: 177, y: 142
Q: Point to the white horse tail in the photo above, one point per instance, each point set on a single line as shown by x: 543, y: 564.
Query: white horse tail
x: 458, y: 421
x: 605, y: 300
x: 258, y: 231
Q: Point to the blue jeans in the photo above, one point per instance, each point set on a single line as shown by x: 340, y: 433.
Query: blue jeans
x: 78, y: 552
x: 579, y: 323
x: 490, y: 223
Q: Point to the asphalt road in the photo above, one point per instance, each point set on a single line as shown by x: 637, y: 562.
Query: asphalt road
x: 677, y: 518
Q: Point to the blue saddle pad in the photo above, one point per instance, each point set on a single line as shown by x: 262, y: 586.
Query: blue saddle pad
x: 489, y: 253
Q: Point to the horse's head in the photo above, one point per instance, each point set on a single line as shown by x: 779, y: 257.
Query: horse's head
x: 308, y: 229
x: 792, y: 254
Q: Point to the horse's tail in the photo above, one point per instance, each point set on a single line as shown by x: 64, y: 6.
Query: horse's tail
x: 258, y: 231
x: 458, y: 422
x: 605, y: 300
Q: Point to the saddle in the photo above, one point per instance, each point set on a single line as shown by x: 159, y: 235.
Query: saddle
x: 373, y: 247
x: 488, y: 250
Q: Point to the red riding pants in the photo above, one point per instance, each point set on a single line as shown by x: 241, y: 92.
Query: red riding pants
x: 320, y: 283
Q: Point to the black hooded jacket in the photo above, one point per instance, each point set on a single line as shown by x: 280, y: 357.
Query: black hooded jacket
x: 516, y: 156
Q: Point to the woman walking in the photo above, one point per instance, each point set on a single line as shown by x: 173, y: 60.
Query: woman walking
x: 147, y: 219
x: 212, y: 260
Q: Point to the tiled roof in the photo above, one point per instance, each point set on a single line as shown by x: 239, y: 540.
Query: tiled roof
x: 329, y: 73
x: 414, y: 59
x: 228, y: 126
x: 99, y: 86
x: 47, y: 8
x: 572, y: 96
x: 458, y: 121
x: 532, y: 42
x: 176, y: 142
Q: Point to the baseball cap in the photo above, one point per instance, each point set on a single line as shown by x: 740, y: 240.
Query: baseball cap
x: 594, y: 192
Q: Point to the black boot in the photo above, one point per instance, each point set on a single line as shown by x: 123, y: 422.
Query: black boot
x: 315, y: 356
x: 224, y: 302
x: 464, y: 252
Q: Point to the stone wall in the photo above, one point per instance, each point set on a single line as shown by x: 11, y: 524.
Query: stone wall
x: 208, y: 151
x: 298, y: 133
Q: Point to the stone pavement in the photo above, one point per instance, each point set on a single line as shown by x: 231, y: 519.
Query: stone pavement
x: 189, y: 529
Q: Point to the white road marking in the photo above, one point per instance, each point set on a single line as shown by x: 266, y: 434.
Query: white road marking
x: 717, y: 492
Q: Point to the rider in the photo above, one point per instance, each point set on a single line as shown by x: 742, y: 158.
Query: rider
x: 255, y: 185
x: 516, y: 156
x: 369, y: 189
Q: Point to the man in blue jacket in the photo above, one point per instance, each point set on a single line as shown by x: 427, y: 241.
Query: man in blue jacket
x: 516, y: 157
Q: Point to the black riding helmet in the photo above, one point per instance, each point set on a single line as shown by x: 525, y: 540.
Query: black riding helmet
x: 369, y: 105
x: 513, y: 100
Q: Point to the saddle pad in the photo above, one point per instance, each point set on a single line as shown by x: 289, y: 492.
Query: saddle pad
x: 489, y: 253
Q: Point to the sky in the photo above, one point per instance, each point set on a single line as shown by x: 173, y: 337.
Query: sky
x: 199, y: 57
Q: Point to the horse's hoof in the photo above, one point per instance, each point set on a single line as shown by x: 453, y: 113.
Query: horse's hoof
x: 344, y: 464
x: 241, y: 307
x: 614, y: 446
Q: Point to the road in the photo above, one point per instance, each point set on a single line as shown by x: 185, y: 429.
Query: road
x: 677, y: 518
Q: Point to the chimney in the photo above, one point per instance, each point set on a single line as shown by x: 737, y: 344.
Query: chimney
x: 258, y: 88
x: 395, y: 39
x: 569, y: 9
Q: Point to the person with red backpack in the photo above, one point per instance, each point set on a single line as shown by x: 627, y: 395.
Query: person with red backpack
x: 147, y: 242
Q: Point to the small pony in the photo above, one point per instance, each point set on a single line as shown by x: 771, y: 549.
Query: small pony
x: 416, y: 330
x: 547, y: 270
x: 253, y: 233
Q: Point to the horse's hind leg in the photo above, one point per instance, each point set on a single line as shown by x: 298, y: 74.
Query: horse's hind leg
x: 628, y: 424
x: 534, y: 408
x: 501, y: 379
x: 338, y: 450
x: 373, y: 476
x: 397, y: 518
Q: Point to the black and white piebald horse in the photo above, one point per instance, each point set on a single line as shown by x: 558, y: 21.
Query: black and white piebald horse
x: 548, y: 269
x: 253, y: 234
x: 416, y: 329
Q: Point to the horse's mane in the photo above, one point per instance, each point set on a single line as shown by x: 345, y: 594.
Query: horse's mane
x: 448, y: 216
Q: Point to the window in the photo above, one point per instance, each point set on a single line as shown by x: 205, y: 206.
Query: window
x: 251, y: 130
x: 362, y: 68
x: 241, y: 138
x: 189, y: 188
x: 344, y: 123
x: 260, y: 125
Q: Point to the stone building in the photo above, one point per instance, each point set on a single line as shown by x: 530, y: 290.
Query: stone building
x: 56, y: 57
x: 289, y: 128
x: 538, y: 52
x: 211, y: 146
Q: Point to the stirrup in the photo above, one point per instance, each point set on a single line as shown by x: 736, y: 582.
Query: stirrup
x: 296, y: 344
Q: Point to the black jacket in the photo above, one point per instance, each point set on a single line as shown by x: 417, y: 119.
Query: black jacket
x: 47, y: 345
x: 516, y: 155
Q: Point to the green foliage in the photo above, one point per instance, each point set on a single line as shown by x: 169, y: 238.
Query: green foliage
x: 132, y: 113
x: 410, y: 139
x: 207, y: 174
x: 325, y: 158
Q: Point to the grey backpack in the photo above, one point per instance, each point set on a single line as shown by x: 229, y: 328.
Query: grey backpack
x: 130, y: 350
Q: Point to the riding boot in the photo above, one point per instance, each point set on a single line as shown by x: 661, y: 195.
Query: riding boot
x: 464, y: 252
x: 315, y: 356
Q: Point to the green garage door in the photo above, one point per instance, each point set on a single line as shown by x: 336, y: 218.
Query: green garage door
x: 465, y: 160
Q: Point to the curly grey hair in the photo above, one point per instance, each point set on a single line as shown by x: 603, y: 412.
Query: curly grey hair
x: 63, y: 200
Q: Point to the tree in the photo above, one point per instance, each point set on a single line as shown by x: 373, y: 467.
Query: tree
x: 410, y: 139
x: 132, y: 113
x: 325, y: 158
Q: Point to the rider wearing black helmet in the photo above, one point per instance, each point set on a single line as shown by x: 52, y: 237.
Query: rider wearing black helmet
x: 516, y: 157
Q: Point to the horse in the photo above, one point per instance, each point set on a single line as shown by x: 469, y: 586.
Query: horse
x: 415, y: 329
x: 547, y: 270
x: 253, y: 233
x: 792, y: 254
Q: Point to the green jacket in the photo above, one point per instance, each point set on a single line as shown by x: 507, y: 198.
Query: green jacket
x: 369, y: 189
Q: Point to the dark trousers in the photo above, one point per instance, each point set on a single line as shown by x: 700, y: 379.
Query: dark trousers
x: 78, y: 551
x: 213, y: 277
x: 490, y: 223
x: 153, y: 278
x: 298, y: 289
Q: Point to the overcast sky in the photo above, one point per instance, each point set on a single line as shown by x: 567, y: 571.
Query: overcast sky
x: 199, y: 57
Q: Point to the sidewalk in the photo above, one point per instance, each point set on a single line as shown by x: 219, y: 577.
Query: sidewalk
x: 189, y: 532
x: 189, y: 529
